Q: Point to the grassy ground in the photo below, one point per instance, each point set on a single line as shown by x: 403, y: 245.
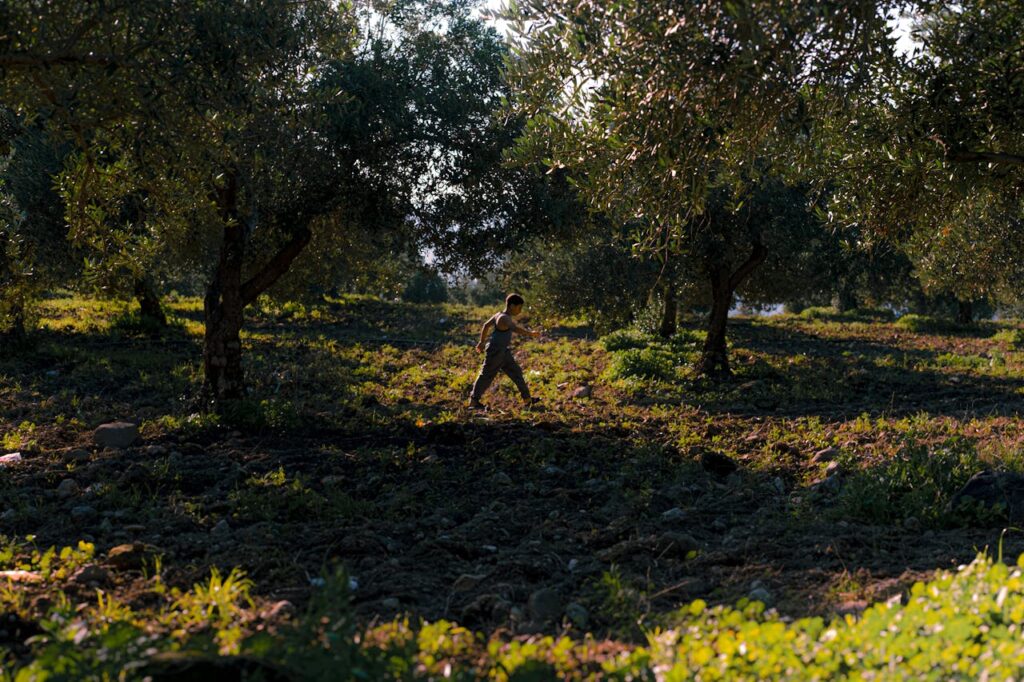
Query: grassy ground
x: 355, y: 474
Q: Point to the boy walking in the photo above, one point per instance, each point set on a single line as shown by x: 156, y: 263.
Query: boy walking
x: 499, y: 351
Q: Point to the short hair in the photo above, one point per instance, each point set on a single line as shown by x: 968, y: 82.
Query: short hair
x: 514, y: 299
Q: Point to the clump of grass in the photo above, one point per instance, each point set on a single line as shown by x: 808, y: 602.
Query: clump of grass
x: 925, y: 324
x: 642, y: 363
x: 1013, y: 337
x: 828, y: 313
x: 624, y: 339
x: 133, y: 324
x: 919, y: 481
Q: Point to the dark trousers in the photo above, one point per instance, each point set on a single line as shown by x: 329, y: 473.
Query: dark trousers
x: 499, y: 361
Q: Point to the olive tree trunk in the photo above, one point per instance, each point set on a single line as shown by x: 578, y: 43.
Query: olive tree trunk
x: 227, y: 296
x: 669, y: 314
x: 149, y: 302
x: 964, y: 312
x: 724, y: 282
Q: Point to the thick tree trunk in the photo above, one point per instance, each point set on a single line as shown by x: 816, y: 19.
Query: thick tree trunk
x: 846, y: 299
x: 149, y: 302
x: 228, y: 295
x: 669, y: 314
x: 964, y: 312
x: 223, y: 308
x: 16, y: 334
x: 715, y: 358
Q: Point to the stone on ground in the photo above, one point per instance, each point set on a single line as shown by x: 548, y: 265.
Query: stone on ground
x: 545, y: 605
x: 995, y: 491
x: 118, y: 435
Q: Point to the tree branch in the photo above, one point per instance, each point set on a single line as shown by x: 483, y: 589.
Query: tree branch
x: 755, y: 258
x: 25, y: 60
x: 986, y: 157
x: 275, y: 267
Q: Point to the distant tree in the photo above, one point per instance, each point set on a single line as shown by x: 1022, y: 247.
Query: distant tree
x: 657, y: 107
x: 765, y: 246
x: 425, y: 286
x: 36, y: 253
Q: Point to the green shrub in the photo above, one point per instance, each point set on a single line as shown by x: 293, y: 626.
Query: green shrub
x: 1014, y: 337
x: 819, y: 313
x: 923, y: 324
x: 642, y: 363
x: 624, y: 339
x: 917, y: 482
x: 134, y: 324
x: 425, y: 286
x: 854, y: 315
x: 960, y: 625
x: 261, y: 414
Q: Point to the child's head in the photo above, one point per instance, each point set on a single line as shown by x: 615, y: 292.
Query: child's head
x: 514, y: 304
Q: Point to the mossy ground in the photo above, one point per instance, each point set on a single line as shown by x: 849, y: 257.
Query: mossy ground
x: 356, y: 452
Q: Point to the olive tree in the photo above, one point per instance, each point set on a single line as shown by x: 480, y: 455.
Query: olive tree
x: 249, y: 130
x: 655, y: 106
x: 934, y: 154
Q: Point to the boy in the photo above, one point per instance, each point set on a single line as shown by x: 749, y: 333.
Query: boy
x: 499, y: 352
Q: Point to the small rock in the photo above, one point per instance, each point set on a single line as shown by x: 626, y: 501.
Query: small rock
x: 717, y: 464
x: 853, y: 607
x: 577, y: 615
x: 719, y: 525
x: 827, y: 455
x: 833, y: 467
x: 467, y: 581
x: 117, y: 435
x: 127, y: 556
x: 8, y: 515
x: 676, y: 544
x: 155, y: 450
x: 91, y: 575
x: 573, y: 563
x: 545, y: 605
x: 478, y: 609
x: 779, y: 486
x: 501, y: 478
x: 222, y: 528
x: 674, y: 514
x: 9, y: 459
x: 761, y: 594
x: 829, y: 485
x: 584, y: 391
x: 76, y: 455
x: 995, y: 491
x: 83, y: 513
x: 554, y: 471
x: 492, y: 549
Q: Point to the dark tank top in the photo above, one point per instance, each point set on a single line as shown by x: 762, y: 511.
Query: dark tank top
x: 500, y: 340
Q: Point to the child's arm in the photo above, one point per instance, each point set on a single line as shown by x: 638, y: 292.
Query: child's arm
x: 516, y: 327
x: 484, y: 331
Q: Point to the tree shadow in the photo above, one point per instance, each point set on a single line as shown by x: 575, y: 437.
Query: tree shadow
x: 792, y: 372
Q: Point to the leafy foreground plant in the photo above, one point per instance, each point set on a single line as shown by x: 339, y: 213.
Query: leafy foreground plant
x: 961, y: 625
